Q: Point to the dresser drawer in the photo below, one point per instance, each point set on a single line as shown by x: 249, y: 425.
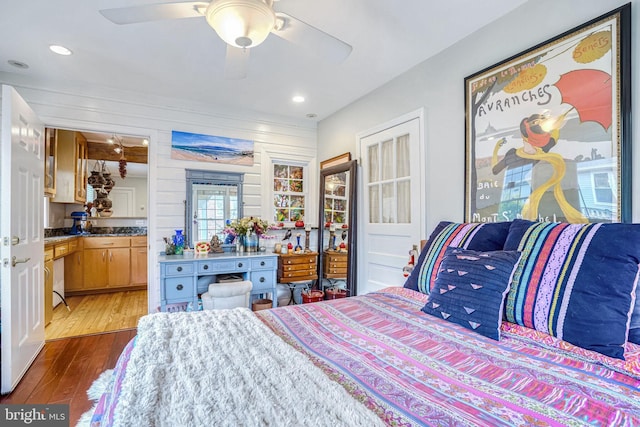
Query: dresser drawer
x: 228, y: 265
x: 297, y: 275
x: 298, y: 259
x: 178, y: 288
x: 264, y: 263
x: 179, y: 269
x: 262, y: 281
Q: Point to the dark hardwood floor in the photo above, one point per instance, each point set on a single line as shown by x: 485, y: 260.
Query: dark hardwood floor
x: 66, y: 368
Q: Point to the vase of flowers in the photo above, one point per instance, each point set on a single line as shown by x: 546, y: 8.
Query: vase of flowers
x: 248, y: 231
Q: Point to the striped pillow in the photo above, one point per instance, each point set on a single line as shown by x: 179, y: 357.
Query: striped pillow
x: 474, y: 236
x: 575, y: 281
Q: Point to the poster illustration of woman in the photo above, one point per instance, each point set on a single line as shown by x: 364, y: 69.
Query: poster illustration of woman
x: 544, y: 130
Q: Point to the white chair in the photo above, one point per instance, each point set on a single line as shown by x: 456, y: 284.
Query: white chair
x: 227, y: 295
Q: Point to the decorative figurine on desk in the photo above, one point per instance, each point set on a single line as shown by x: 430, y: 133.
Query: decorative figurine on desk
x: 216, y: 245
x: 288, y: 247
x: 343, y: 245
x: 298, y: 248
x: 202, y: 248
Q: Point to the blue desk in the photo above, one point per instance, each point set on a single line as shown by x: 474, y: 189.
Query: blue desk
x: 180, y: 275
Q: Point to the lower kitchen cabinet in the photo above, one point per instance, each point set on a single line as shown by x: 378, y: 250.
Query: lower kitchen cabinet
x: 107, y: 262
x: 74, y: 268
x: 138, y: 260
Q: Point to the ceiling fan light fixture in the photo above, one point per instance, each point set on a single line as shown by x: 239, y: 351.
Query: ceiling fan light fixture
x: 241, y: 23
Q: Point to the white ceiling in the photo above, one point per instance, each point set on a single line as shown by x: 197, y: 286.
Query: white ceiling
x: 184, y: 58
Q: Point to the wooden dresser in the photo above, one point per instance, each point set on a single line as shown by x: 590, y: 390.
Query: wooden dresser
x: 297, y: 267
x: 334, y: 265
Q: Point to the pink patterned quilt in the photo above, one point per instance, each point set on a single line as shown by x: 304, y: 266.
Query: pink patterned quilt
x: 415, y: 369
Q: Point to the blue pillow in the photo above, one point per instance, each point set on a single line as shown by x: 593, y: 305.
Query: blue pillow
x: 476, y: 236
x: 634, y: 335
x: 470, y: 288
x: 575, y: 281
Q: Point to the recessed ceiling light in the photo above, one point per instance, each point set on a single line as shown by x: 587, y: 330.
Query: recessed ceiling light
x: 298, y: 99
x: 312, y: 115
x: 18, y: 64
x: 60, y: 50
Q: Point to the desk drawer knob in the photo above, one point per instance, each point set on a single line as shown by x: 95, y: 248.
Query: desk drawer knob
x: 179, y: 268
x: 262, y: 263
x: 179, y: 287
x: 206, y: 267
x: 239, y: 265
x: 262, y: 279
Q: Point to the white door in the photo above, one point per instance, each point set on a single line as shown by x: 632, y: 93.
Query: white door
x: 392, y: 198
x: 22, y: 248
x: 122, y: 199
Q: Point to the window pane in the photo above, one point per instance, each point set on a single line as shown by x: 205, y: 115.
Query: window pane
x: 374, y: 204
x: 373, y: 164
x: 388, y: 203
x: 404, y: 202
x: 296, y: 172
x: 386, y: 159
x: 403, y: 168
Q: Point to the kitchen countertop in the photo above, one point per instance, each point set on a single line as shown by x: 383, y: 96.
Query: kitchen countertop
x: 58, y: 239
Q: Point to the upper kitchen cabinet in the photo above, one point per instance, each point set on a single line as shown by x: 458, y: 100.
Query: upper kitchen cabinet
x: 50, y: 159
x: 71, y: 171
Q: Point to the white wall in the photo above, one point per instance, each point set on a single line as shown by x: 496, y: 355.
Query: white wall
x: 438, y: 85
x: 84, y: 108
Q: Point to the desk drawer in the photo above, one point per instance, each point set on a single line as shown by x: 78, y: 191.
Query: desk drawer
x: 264, y: 263
x: 179, y: 269
x: 178, y: 288
x: 262, y: 281
x: 229, y: 265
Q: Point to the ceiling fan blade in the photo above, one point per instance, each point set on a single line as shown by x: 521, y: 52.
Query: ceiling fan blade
x: 235, y: 66
x: 315, y: 40
x: 154, y: 12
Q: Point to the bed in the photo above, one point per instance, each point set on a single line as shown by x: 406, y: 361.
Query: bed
x: 384, y: 359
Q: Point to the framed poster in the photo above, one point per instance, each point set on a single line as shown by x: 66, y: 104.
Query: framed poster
x: 548, y: 130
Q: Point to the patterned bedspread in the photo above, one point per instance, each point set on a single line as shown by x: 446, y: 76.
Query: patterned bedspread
x: 411, y: 368
x: 415, y: 369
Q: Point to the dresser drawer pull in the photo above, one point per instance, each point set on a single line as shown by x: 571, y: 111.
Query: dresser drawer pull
x: 262, y: 279
x: 179, y: 287
x: 179, y: 269
x: 239, y: 265
x: 262, y: 263
x: 206, y: 267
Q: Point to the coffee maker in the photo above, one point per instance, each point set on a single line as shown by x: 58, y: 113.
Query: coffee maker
x: 79, y: 223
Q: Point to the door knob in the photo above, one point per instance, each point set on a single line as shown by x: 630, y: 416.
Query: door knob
x: 15, y: 261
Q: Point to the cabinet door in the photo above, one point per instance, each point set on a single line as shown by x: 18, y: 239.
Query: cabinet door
x: 48, y: 291
x: 81, y: 168
x: 119, y: 267
x: 138, y: 266
x: 74, y: 271
x: 50, y: 159
x: 96, y: 274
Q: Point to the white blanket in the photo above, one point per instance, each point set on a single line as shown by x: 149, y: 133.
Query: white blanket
x: 226, y: 368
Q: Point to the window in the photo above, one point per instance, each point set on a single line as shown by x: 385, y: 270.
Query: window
x: 389, y: 183
x: 602, y: 187
x: 289, y: 193
x: 212, y: 199
x: 215, y: 204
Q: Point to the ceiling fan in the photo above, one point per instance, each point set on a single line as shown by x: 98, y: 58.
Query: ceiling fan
x: 242, y: 24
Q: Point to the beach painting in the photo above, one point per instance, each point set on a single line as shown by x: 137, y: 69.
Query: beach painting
x: 208, y: 148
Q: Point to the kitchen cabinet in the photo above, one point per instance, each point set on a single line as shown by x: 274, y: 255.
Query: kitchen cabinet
x: 74, y: 266
x: 138, y: 260
x: 48, y: 284
x: 50, y: 161
x: 71, y: 167
x: 107, y: 262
